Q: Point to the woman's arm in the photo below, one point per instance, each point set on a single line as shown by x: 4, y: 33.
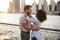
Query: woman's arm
x: 33, y: 20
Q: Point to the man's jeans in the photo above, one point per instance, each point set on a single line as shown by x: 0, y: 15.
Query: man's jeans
x: 25, y: 35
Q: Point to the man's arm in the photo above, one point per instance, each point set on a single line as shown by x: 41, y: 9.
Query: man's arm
x: 28, y: 27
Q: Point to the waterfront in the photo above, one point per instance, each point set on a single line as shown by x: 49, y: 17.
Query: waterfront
x: 10, y: 32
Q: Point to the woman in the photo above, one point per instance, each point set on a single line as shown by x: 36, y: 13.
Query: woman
x: 36, y: 22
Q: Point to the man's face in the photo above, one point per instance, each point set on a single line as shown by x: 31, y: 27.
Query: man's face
x: 29, y: 11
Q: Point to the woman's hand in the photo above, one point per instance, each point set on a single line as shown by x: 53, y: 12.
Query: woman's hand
x: 36, y: 29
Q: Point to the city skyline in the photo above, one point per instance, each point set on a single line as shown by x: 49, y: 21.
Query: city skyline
x: 4, y: 4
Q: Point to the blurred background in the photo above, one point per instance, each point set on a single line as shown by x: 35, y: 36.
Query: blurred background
x: 11, y: 10
x: 17, y: 6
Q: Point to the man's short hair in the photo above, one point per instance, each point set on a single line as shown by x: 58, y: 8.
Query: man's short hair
x: 27, y: 7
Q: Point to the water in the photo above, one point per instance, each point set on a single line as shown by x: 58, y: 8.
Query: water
x: 9, y: 32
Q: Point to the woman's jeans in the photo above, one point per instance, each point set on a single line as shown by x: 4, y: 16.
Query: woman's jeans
x: 34, y: 38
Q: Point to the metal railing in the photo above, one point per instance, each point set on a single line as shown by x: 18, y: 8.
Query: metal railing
x: 57, y: 30
x: 47, y: 31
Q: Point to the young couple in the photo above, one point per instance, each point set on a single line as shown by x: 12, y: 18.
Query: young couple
x: 28, y: 23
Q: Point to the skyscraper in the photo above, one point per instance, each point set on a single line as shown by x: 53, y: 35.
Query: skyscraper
x: 16, y: 4
x: 34, y: 7
x: 45, y: 7
x: 52, y: 5
x: 58, y: 6
x: 10, y: 9
x: 22, y: 5
x: 40, y: 4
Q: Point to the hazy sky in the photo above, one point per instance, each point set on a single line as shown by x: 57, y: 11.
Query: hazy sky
x: 31, y: 1
x: 4, y: 4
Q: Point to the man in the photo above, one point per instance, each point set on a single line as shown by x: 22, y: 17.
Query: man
x: 25, y: 30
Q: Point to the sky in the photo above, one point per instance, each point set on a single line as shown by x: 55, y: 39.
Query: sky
x: 4, y: 4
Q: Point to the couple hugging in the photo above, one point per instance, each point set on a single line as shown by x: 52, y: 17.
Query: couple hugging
x: 28, y: 23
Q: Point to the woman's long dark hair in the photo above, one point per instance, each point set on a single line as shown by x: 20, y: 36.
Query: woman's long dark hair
x: 41, y: 15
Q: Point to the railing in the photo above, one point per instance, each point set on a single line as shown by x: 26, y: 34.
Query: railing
x: 48, y: 34
x: 41, y: 28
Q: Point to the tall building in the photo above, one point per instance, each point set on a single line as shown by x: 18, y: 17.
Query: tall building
x: 40, y: 4
x: 22, y: 6
x: 45, y: 7
x: 58, y: 6
x: 16, y: 5
x: 52, y: 5
x: 10, y: 9
x: 34, y: 9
